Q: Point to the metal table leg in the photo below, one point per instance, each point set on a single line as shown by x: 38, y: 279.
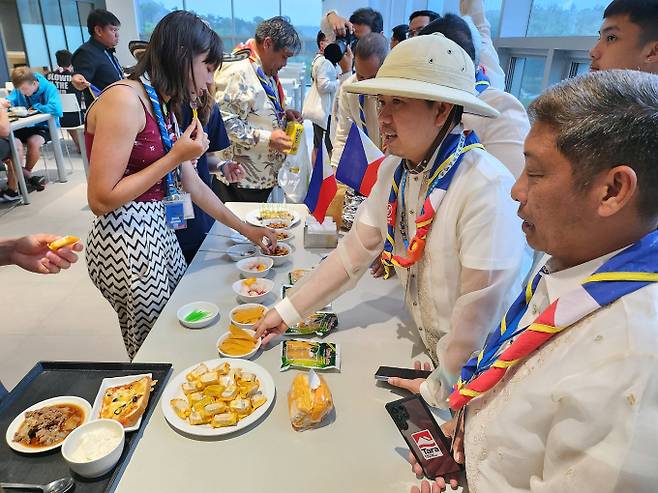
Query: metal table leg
x: 83, y: 150
x: 18, y: 169
x: 57, y: 149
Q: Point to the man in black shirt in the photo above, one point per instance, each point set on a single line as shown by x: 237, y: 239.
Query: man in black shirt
x: 94, y: 62
x: 61, y: 77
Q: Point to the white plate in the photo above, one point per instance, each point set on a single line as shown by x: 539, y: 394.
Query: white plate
x: 18, y: 421
x: 289, y: 235
x: 240, y: 356
x: 252, y: 218
x: 115, y: 382
x: 174, y: 391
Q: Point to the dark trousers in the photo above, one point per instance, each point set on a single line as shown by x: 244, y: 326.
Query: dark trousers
x: 231, y: 193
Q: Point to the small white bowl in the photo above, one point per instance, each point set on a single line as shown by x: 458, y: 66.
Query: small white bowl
x: 253, y: 299
x: 269, y: 222
x: 19, y: 110
x: 239, y: 252
x: 101, y: 465
x: 185, y: 310
x: 288, y: 235
x: 279, y: 259
x: 246, y: 262
x: 244, y: 356
x: 243, y: 307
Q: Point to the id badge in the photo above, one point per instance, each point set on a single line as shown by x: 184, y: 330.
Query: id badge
x: 188, y: 208
x: 175, y: 213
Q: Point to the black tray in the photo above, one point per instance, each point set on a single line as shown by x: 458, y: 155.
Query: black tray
x: 51, y: 379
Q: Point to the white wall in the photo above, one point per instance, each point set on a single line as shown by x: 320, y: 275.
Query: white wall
x: 125, y: 12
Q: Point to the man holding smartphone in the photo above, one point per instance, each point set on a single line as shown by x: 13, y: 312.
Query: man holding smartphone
x: 563, y: 395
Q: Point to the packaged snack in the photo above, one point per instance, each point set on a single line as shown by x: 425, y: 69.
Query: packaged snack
x: 294, y: 130
x: 320, y: 323
x: 296, y: 275
x: 300, y: 353
x: 309, y: 401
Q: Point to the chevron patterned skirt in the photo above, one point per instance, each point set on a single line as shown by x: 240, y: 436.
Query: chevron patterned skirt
x: 135, y: 261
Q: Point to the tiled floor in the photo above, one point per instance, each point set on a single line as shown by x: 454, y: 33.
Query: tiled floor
x: 60, y: 317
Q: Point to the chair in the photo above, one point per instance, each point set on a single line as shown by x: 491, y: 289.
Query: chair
x: 70, y: 104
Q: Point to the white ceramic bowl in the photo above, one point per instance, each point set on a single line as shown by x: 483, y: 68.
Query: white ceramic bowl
x: 246, y: 262
x: 279, y: 259
x: 237, y: 285
x: 243, y: 307
x: 185, y: 310
x: 245, y: 355
x: 236, y: 251
x: 101, y: 465
x: 268, y: 223
x: 288, y: 235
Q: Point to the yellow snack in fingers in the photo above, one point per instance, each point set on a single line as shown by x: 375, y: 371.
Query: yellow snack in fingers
x: 62, y: 242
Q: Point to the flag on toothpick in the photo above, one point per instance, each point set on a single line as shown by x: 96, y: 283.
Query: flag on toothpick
x: 359, y: 162
x: 322, y: 188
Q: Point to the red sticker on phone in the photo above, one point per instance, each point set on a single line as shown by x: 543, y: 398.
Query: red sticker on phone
x: 426, y: 444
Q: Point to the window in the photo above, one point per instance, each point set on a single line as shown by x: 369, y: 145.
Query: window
x: 578, y: 68
x: 565, y: 17
x: 84, y: 9
x: 37, y: 49
x: 305, y: 16
x: 149, y: 13
x: 492, y: 11
x: 527, y: 75
x: 219, y: 16
x: 72, y: 26
x: 247, y: 15
x: 52, y: 20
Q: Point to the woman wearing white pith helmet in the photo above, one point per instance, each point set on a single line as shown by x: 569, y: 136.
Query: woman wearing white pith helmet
x: 440, y: 209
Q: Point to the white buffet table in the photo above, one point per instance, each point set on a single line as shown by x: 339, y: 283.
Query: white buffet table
x: 359, y: 451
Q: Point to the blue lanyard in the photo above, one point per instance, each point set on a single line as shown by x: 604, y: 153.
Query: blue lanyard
x: 170, y: 189
x: 362, y: 113
x: 271, y: 94
x: 115, y: 64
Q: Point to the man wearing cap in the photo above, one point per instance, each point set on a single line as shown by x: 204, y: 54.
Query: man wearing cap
x: 440, y: 210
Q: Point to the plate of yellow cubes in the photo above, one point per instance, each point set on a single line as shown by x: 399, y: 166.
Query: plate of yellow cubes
x: 218, y: 397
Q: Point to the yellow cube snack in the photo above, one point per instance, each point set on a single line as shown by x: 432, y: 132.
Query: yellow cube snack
x: 223, y: 369
x: 62, y: 242
x: 257, y: 400
x: 197, y: 372
x: 199, y: 405
x: 247, y: 389
x: 294, y: 130
x: 215, y: 408
x: 229, y: 393
x: 242, y: 407
x: 210, y: 378
x: 181, y: 408
x: 195, y: 397
x: 189, y: 388
x: 214, y: 390
x: 224, y: 419
x: 197, y: 418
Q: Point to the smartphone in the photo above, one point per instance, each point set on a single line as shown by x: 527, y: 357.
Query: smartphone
x: 424, y: 436
x: 384, y: 372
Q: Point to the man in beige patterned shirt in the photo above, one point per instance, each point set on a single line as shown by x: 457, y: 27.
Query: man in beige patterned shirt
x: 252, y: 103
